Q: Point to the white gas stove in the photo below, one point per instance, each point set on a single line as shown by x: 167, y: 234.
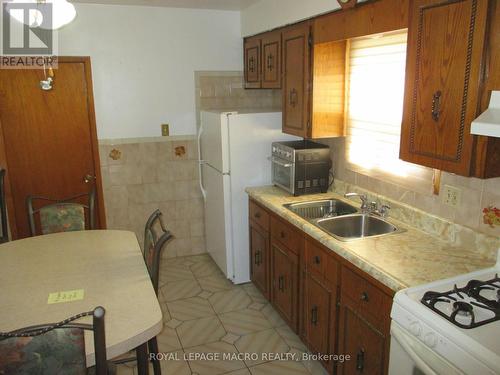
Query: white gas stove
x: 449, y: 326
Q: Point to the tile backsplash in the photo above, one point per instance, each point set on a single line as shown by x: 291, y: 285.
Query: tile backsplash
x: 476, y: 194
x: 142, y: 174
x: 146, y: 174
x: 225, y: 91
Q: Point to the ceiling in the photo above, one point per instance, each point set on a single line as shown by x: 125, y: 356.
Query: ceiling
x: 195, y: 4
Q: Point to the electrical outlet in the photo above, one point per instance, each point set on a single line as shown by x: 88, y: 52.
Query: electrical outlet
x: 165, y: 131
x: 452, y: 196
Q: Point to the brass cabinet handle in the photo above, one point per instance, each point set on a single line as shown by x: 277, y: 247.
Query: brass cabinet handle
x: 281, y: 283
x: 317, y: 259
x: 251, y: 64
x: 436, y: 105
x: 360, y: 360
x: 314, y: 315
x: 270, y: 64
x: 258, y: 258
x: 293, y: 97
x: 364, y: 296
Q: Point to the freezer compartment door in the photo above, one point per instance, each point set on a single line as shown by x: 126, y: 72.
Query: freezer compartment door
x: 218, y: 218
x: 213, y: 140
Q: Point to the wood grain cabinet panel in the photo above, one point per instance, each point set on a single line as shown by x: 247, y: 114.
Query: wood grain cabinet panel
x: 296, y: 79
x: 445, y: 50
x: 271, y: 60
x: 285, y: 276
x: 252, y: 62
x: 259, y: 259
x: 259, y: 215
x: 366, y: 345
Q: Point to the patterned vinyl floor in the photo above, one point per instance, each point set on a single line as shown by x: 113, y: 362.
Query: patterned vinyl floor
x: 213, y: 327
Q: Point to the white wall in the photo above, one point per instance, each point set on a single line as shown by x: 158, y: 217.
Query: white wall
x: 268, y: 14
x: 143, y: 62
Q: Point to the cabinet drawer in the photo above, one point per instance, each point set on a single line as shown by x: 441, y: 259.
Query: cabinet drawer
x: 369, y: 301
x: 258, y: 215
x: 287, y: 235
x: 315, y: 259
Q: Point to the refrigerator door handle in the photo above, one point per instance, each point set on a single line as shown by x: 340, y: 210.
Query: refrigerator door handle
x: 200, y: 164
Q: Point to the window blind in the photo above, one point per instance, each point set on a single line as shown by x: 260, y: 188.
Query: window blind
x: 375, y: 91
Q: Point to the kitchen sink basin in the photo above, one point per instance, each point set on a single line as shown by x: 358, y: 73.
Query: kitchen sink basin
x: 356, y: 226
x: 321, y: 209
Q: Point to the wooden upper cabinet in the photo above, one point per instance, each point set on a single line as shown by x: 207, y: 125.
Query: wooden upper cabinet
x: 296, y: 79
x: 271, y: 60
x: 252, y: 62
x: 443, y: 79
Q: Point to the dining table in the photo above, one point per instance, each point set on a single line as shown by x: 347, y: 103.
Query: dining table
x: 48, y: 278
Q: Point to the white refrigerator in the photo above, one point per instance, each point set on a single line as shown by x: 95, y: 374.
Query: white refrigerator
x: 234, y: 148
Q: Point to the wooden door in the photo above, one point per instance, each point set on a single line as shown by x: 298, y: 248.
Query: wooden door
x: 318, y: 304
x: 49, y: 138
x: 271, y: 60
x: 445, y: 48
x: 296, y: 79
x: 252, y: 63
x: 366, y: 345
x: 285, y: 282
x: 259, y: 261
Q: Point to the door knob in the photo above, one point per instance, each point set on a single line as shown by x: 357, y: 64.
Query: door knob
x: 87, y: 178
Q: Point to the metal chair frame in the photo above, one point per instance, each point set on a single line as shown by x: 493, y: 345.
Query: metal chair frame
x: 159, y: 242
x: 97, y: 326
x: 69, y: 201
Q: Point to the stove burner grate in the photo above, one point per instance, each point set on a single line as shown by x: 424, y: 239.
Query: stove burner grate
x: 463, y: 309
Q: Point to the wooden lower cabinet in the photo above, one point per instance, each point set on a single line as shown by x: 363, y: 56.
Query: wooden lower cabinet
x: 259, y: 259
x: 285, y: 276
x: 364, y: 343
x: 319, y: 317
x: 335, y: 307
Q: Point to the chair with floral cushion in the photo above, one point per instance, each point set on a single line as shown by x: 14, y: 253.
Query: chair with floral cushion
x: 156, y: 236
x: 58, y: 348
x: 61, y: 215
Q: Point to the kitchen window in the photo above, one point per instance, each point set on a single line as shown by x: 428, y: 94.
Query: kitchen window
x: 375, y: 91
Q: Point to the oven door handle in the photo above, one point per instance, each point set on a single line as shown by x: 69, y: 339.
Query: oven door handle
x: 278, y: 161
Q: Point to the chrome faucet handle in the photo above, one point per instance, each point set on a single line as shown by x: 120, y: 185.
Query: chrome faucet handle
x: 384, y: 210
x: 363, y: 197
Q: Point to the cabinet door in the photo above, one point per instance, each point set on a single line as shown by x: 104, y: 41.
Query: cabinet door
x: 296, y: 80
x: 259, y: 261
x: 319, y: 301
x: 285, y: 280
x: 271, y: 60
x: 252, y: 62
x: 366, y: 345
x: 445, y: 48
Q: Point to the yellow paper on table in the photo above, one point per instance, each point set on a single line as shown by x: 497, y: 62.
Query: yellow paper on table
x: 65, y: 296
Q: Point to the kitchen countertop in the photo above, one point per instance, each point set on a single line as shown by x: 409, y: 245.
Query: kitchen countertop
x: 398, y: 260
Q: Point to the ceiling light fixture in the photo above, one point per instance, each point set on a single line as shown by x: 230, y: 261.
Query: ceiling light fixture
x: 63, y: 13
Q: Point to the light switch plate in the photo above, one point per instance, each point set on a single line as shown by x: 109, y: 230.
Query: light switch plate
x: 452, y: 196
x: 165, y: 131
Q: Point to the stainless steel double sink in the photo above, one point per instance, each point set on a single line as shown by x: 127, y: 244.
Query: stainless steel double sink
x: 341, y: 220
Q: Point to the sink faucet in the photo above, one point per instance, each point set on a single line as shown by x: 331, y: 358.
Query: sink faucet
x: 364, y: 201
x: 372, y: 207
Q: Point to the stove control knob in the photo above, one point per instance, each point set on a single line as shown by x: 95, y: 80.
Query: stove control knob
x: 430, y: 339
x: 415, y: 328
